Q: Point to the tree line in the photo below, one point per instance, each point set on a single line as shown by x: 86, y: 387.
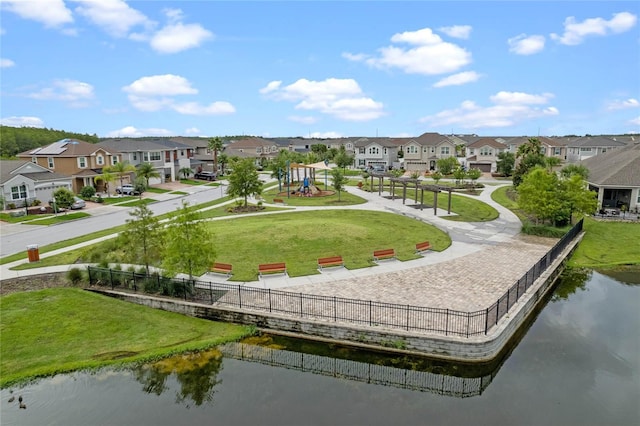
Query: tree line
x: 14, y: 140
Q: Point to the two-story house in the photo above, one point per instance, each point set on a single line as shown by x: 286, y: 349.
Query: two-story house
x: 584, y: 147
x: 167, y: 156
x: 259, y: 149
x: 81, y: 160
x: 483, y: 154
x: 422, y: 153
x: 376, y: 152
x: 22, y: 182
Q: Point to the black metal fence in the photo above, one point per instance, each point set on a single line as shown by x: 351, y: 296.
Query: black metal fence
x: 334, y: 309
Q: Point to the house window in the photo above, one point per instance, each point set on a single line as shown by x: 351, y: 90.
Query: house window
x: 182, y: 153
x: 412, y: 149
x: 361, y: 163
x: 638, y: 197
x: 135, y: 156
x: 114, y: 160
x: 485, y: 151
x: 100, y: 160
x: 258, y: 150
x: 556, y: 151
x: 34, y: 160
x: 155, y: 156
x: 19, y: 192
x: 51, y: 163
x: 583, y: 149
x: 82, y: 162
x: 433, y: 149
x: 385, y: 151
x: 374, y: 150
x: 471, y: 151
x: 444, y: 150
x: 361, y: 150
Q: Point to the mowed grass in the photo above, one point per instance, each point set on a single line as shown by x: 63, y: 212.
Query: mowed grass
x: 346, y: 198
x: 608, y: 244
x: 59, y: 330
x: 300, y: 238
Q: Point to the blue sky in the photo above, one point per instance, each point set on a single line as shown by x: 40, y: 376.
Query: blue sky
x: 321, y: 69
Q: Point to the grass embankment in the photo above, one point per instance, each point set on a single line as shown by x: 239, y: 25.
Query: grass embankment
x: 48, y: 219
x: 60, y: 330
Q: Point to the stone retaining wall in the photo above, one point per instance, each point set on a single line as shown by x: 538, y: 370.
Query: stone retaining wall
x: 474, y: 349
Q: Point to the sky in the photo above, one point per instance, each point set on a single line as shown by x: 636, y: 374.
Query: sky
x: 321, y: 69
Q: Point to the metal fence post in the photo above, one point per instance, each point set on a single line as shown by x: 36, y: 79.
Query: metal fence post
x: 269, y: 299
x: 407, y: 317
x: 239, y: 296
x: 486, y: 321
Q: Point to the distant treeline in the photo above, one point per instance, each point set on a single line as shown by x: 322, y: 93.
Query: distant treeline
x: 14, y: 140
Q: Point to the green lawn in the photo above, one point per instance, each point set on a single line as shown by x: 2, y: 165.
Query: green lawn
x: 117, y: 200
x: 137, y: 202
x: 607, y: 244
x: 59, y: 330
x: 6, y: 217
x: 157, y: 190
x: 347, y: 198
x: 59, y: 218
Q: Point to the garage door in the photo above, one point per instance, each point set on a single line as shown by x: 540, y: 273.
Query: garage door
x: 485, y: 168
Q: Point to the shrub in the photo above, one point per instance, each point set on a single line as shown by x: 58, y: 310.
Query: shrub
x: 75, y: 276
x: 87, y: 192
x: 36, y: 203
x: 99, y: 199
x: 11, y: 206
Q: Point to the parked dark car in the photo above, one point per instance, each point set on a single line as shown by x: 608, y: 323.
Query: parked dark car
x: 206, y: 175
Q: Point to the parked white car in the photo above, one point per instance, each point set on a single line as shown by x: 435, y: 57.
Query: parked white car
x: 78, y: 203
x: 126, y: 189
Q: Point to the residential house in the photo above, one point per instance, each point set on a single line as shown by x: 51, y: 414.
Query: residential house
x: 585, y: 147
x: 615, y: 175
x: 81, y: 160
x: 376, y: 152
x: 167, y: 156
x: 22, y: 182
x: 423, y: 152
x: 259, y: 149
x: 483, y: 154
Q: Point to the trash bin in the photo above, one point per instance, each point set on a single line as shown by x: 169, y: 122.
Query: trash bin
x: 33, y: 253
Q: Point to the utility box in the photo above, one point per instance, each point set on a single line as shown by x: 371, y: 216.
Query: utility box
x: 33, y: 252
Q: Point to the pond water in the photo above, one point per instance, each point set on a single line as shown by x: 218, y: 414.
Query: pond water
x: 577, y: 363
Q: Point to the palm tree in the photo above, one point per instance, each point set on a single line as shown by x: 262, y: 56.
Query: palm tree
x: 107, y: 178
x: 147, y: 171
x: 186, y: 171
x: 215, y: 145
x: 121, y: 169
x: 223, y: 159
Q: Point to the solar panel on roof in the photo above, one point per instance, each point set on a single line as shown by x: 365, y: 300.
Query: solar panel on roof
x: 55, y: 148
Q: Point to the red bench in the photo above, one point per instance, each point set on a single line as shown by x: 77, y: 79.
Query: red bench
x: 221, y: 268
x: 424, y: 246
x: 326, y: 262
x: 384, y: 254
x: 278, y: 201
x: 272, y: 268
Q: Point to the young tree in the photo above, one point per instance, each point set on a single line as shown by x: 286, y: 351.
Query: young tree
x: 459, y: 174
x: 63, y: 199
x: 106, y: 177
x: 143, y: 240
x: 188, y: 243
x: 538, y: 195
x: 574, y: 169
x: 505, y: 163
x: 223, y: 159
x: 147, y: 171
x: 529, y: 155
x: 244, y: 181
x: 436, y: 176
x: 573, y: 191
x: 474, y: 175
x: 339, y: 181
x: 121, y: 169
x: 186, y: 172
x: 343, y: 159
x: 447, y: 165
x: 215, y: 145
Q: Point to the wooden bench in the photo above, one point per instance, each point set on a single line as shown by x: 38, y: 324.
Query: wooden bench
x: 272, y: 268
x: 384, y: 254
x: 326, y: 262
x: 278, y: 201
x: 221, y: 268
x: 424, y: 246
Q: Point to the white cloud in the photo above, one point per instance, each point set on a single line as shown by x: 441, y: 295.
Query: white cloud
x: 458, y: 79
x: 192, y: 131
x: 156, y: 92
x: 526, y: 45
x: 133, y: 132
x: 510, y: 108
x: 635, y: 121
x: 324, y: 135
x: 22, y: 122
x: 115, y: 17
x: 194, y: 108
x: 177, y: 37
x: 159, y: 85
x: 340, y: 98
x: 303, y: 120
x: 457, y: 31
x: 353, y: 57
x: 76, y: 93
x: 273, y: 85
x: 623, y: 104
x: 6, y: 63
x: 576, y: 32
x: 51, y: 13
x: 430, y: 56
